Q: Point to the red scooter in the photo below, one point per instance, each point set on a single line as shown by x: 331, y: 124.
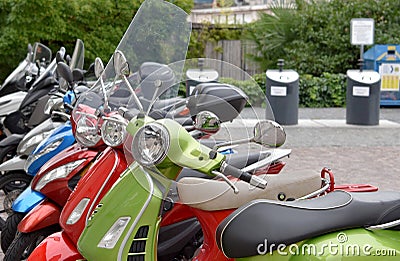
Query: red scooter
x: 100, y: 177
x: 56, y: 180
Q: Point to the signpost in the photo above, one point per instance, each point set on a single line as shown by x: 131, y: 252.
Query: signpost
x: 362, y: 33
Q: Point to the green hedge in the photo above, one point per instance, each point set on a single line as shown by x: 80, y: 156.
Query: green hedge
x: 329, y: 90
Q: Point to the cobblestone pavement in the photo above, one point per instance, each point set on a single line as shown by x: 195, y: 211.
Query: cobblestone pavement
x: 356, y: 154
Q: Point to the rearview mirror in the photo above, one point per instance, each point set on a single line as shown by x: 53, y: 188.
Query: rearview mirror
x: 98, y: 67
x: 269, y: 133
x: 207, y: 122
x: 65, y: 72
x: 121, y: 65
x: 41, y: 53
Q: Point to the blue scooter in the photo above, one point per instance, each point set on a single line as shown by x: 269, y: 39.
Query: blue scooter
x: 58, y: 140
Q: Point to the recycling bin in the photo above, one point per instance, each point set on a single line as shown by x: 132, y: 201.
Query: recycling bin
x: 282, y: 91
x: 197, y: 76
x: 362, y: 97
x: 385, y: 59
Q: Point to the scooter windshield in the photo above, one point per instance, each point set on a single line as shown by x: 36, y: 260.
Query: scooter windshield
x: 214, y: 86
x: 158, y: 35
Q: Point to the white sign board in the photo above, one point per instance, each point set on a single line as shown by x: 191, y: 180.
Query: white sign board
x: 361, y: 91
x: 362, y: 31
x: 278, y: 91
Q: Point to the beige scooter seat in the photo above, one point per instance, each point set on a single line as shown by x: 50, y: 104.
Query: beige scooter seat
x: 213, y: 195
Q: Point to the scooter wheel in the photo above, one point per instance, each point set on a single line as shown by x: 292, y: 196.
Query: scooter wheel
x: 10, y: 229
x: 11, y: 185
x: 14, y: 181
x: 24, y: 243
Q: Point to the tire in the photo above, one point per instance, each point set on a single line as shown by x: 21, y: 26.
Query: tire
x: 11, y: 185
x: 24, y: 243
x: 10, y: 229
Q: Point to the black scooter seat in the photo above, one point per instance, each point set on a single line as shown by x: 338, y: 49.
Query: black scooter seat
x: 275, y: 222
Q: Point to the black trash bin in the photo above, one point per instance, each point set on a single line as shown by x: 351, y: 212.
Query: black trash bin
x: 197, y: 76
x: 362, y: 97
x: 282, y: 91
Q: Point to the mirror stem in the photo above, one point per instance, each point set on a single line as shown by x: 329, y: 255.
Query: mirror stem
x: 136, y: 99
x: 104, y: 93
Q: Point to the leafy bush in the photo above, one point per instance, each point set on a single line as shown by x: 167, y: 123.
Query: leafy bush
x: 314, y: 36
x: 329, y: 90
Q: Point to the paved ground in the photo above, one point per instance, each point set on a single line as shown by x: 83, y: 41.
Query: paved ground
x: 356, y: 154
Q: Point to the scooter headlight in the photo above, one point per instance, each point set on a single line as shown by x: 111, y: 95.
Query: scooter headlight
x: 113, y: 130
x: 37, y: 154
x: 57, y: 173
x: 32, y: 142
x: 114, y: 233
x: 87, y: 131
x: 151, y: 144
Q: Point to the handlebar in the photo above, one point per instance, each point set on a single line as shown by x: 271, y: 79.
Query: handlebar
x: 254, y: 180
x: 126, y: 113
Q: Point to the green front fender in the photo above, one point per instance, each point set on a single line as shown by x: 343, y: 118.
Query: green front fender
x: 136, y: 198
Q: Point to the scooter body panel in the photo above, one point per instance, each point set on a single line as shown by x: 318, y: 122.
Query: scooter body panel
x: 36, y: 135
x: 135, y: 199
x: 27, y: 200
x: 93, y: 186
x: 43, y: 215
x: 57, y: 246
x: 59, y: 189
x: 12, y: 140
x: 16, y: 163
x: 37, y: 159
x: 11, y: 102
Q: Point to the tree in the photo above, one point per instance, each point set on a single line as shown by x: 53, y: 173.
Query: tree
x: 314, y: 37
x: 99, y: 23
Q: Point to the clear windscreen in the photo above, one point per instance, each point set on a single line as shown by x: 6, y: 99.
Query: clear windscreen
x: 221, y: 88
x: 158, y: 35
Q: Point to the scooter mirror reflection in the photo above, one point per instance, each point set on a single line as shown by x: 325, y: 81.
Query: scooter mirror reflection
x: 98, y: 67
x: 269, y: 133
x: 121, y: 65
x: 207, y: 122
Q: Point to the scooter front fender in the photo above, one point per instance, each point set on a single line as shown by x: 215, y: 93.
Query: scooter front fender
x: 56, y: 247
x: 16, y: 163
x: 27, y: 200
x: 43, y: 215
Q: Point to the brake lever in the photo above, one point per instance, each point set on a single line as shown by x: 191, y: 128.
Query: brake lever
x: 230, y: 183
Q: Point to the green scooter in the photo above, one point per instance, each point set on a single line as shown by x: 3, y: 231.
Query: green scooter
x: 125, y: 224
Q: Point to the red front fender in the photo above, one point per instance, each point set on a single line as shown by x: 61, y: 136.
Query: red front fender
x: 56, y: 247
x: 43, y: 215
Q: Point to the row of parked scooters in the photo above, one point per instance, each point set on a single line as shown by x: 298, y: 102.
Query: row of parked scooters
x: 122, y: 168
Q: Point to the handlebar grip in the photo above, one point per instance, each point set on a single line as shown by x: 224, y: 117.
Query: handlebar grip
x: 254, y: 180
x: 126, y: 113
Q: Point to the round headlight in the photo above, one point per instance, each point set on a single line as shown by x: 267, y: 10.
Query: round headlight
x: 113, y: 130
x: 150, y: 144
x: 87, y: 131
